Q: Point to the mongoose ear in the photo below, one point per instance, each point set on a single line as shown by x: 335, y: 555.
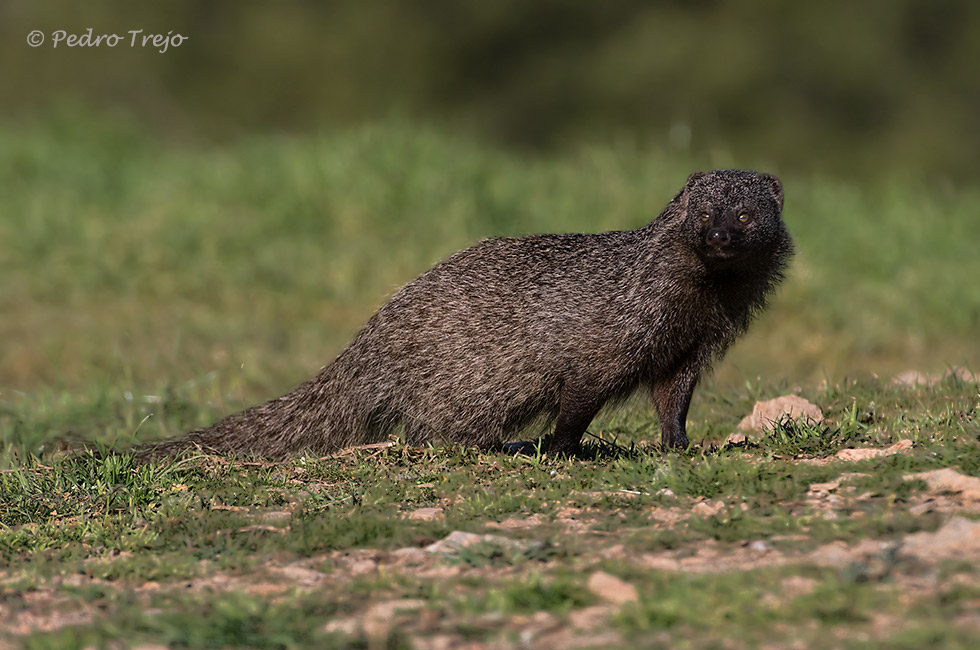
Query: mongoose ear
x: 776, y: 187
x: 692, y: 178
x: 682, y: 195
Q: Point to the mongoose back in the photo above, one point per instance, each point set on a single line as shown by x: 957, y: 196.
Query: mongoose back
x: 520, y: 330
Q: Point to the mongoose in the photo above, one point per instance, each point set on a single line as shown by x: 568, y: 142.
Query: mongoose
x: 522, y: 330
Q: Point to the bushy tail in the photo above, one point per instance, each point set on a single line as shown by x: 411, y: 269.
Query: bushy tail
x: 317, y: 417
x: 209, y: 440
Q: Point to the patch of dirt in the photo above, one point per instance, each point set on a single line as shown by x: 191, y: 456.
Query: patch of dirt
x: 517, y: 523
x: 298, y: 575
x: 855, y: 454
x: 44, y: 611
x: 910, y: 564
x: 668, y: 516
x: 577, y: 521
x: 949, y: 481
x: 712, y: 557
x: 959, y: 538
x: 866, y: 453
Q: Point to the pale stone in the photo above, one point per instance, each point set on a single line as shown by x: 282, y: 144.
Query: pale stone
x: 610, y: 588
x: 426, y: 514
x: 708, y: 508
x: 766, y: 414
x: 361, y: 567
x: 458, y: 539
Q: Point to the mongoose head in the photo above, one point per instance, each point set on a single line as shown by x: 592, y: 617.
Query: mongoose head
x: 733, y: 216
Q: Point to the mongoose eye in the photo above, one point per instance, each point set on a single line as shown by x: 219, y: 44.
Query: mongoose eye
x: 704, y: 217
x: 744, y: 217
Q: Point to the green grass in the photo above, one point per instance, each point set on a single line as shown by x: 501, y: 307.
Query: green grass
x: 149, y: 288
x: 87, y: 530
x: 141, y: 277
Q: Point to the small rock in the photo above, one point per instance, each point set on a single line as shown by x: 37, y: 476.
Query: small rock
x: 759, y: 546
x: 866, y: 453
x: 516, y: 523
x: 454, y: 541
x: 426, y: 514
x: 735, y: 439
x: 949, y: 480
x: 458, y: 539
x: 964, y: 375
x: 346, y: 626
x: 709, y: 508
x: 913, y: 378
x: 664, y: 492
x: 766, y: 414
x: 361, y: 567
x: 823, y: 489
x: 610, y: 588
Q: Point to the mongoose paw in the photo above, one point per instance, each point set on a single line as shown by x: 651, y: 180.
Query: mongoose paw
x: 522, y: 448
x: 680, y: 443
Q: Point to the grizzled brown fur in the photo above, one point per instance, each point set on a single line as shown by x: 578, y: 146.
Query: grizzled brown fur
x: 550, y: 327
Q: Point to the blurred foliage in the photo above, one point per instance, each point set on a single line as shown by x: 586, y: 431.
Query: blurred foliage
x: 836, y: 86
x: 243, y: 268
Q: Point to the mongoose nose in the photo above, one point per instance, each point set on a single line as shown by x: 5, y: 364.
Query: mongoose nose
x: 718, y: 237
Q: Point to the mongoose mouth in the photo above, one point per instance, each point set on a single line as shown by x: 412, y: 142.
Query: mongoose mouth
x: 719, y: 252
x: 722, y: 256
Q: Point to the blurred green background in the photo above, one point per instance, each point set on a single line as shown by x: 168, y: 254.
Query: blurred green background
x: 211, y: 224
x: 834, y: 86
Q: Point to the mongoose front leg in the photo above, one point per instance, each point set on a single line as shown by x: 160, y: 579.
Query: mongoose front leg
x: 575, y: 413
x: 672, y: 397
